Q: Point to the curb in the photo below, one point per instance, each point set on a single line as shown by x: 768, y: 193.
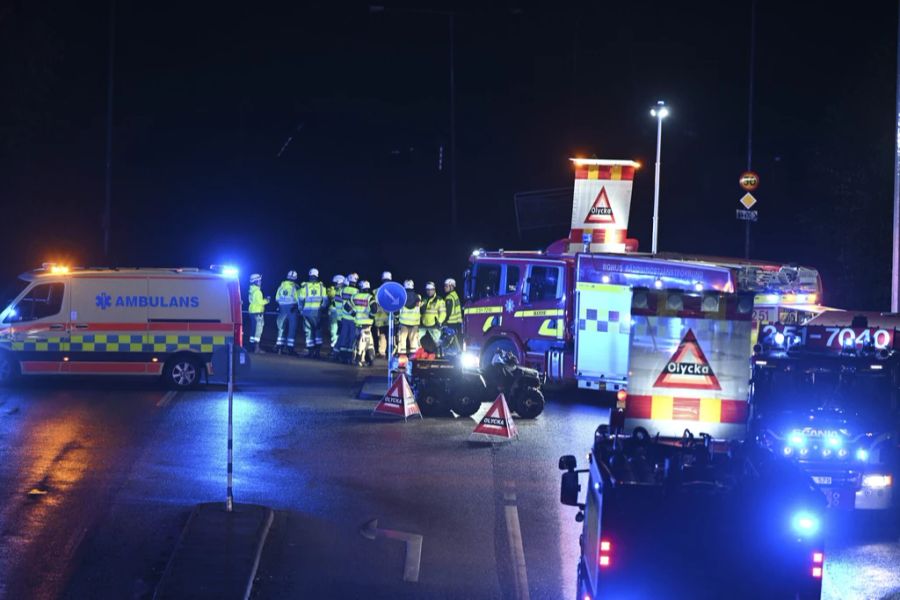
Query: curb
x: 257, y: 553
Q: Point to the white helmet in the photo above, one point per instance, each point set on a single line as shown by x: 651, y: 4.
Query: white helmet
x: 314, y: 272
x: 450, y: 281
x: 364, y: 285
x: 292, y: 275
x: 386, y: 276
x: 255, y: 278
x: 408, y: 284
x: 429, y: 285
x: 352, y: 278
x: 337, y: 279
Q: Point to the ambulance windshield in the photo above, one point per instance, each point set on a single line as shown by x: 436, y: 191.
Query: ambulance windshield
x: 11, y: 291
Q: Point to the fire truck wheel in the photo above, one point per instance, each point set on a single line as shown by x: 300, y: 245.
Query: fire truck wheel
x: 9, y: 369
x: 493, y: 347
x: 530, y: 403
x: 433, y: 402
x: 466, y: 403
x: 182, y: 372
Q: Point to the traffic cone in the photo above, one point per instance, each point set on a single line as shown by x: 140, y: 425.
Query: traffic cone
x: 399, y: 401
x: 496, y: 425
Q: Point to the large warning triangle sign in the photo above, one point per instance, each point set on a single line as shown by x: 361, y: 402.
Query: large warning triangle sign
x: 399, y: 400
x: 688, y: 368
x: 496, y: 425
x: 601, y: 210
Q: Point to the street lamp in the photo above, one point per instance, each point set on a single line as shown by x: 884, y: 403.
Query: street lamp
x: 660, y: 111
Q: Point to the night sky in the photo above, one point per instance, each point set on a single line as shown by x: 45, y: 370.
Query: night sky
x: 206, y: 95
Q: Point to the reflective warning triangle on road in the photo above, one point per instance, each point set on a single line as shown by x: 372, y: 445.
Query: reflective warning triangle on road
x: 601, y: 210
x: 399, y: 401
x: 688, y: 367
x: 496, y: 425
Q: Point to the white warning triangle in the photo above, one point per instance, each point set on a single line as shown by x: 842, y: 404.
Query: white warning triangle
x: 399, y: 400
x: 601, y: 210
x: 496, y: 425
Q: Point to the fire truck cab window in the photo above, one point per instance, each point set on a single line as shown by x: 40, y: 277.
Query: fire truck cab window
x: 512, y: 279
x: 487, y: 281
x: 41, y: 302
x: 543, y: 284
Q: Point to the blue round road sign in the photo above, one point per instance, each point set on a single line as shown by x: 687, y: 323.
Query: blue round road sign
x: 391, y: 296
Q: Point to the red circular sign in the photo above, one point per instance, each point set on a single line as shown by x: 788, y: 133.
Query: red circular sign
x: 749, y: 180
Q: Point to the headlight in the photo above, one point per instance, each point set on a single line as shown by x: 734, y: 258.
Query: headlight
x: 877, y: 482
x: 862, y: 454
x: 805, y: 523
x: 834, y: 441
x: 469, y: 360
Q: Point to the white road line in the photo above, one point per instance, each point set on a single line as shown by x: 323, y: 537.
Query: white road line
x: 516, y: 549
x: 164, y: 401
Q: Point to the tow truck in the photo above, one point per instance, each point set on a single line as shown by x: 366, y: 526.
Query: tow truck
x: 680, y: 520
x: 826, y: 395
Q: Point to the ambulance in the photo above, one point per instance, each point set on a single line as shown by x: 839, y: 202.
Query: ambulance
x: 153, y: 322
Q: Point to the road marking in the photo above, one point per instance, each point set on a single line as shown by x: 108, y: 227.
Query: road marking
x: 413, y: 546
x: 516, y: 548
x: 164, y: 401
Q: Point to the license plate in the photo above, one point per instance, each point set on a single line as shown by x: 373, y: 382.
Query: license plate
x: 822, y: 480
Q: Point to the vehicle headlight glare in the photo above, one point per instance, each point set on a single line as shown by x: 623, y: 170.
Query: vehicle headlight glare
x: 469, y: 360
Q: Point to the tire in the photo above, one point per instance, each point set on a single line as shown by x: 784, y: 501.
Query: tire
x: 529, y: 403
x: 182, y: 373
x: 9, y: 369
x: 491, y: 349
x: 466, y: 402
x: 432, y: 401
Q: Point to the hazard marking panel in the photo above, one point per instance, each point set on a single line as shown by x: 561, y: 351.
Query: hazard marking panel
x: 601, y: 211
x: 399, y: 400
x: 496, y: 423
x: 688, y: 368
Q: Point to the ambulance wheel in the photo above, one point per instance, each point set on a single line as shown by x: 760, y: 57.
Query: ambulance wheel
x: 466, y: 403
x: 182, y: 372
x: 9, y: 369
x: 432, y: 401
x: 529, y: 403
x: 502, y: 344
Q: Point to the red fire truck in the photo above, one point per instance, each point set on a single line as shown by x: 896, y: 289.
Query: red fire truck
x: 566, y: 310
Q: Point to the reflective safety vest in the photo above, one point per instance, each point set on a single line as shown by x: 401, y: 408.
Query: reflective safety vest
x: 362, y: 309
x: 334, y: 300
x: 434, y: 312
x: 257, y: 302
x: 454, y: 309
x: 410, y: 316
x: 346, y: 302
x: 381, y: 315
x: 287, y: 293
x: 310, y: 296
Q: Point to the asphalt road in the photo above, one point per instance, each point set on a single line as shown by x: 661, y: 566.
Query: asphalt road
x: 97, y: 478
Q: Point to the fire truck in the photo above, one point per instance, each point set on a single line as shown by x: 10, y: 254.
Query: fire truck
x: 566, y: 310
x: 827, y: 396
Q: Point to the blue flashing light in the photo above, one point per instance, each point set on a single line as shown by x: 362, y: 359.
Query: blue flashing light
x: 834, y: 441
x: 797, y: 439
x: 230, y: 271
x: 848, y: 342
x: 805, y: 523
x: 779, y: 338
x: 862, y: 454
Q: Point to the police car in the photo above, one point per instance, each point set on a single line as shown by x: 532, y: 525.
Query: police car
x: 151, y: 322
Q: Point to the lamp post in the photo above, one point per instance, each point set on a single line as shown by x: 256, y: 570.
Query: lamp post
x: 660, y: 111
